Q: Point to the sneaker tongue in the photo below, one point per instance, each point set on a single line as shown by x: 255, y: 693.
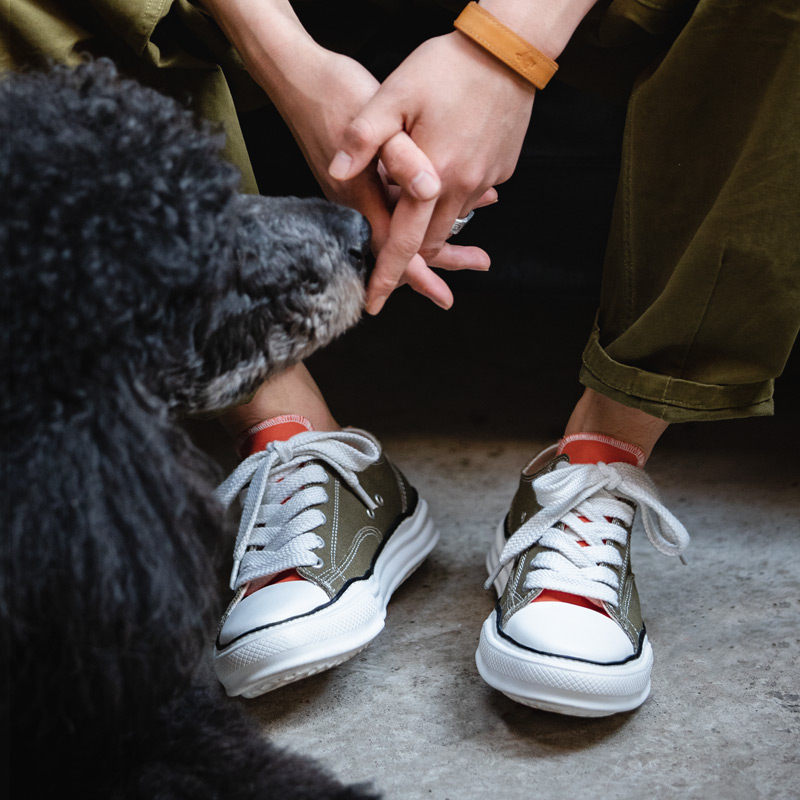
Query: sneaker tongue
x: 277, y: 429
x: 590, y: 448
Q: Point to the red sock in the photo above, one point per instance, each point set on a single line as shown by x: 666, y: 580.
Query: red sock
x: 277, y: 429
x: 591, y: 448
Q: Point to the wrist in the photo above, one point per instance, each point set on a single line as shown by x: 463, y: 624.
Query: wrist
x: 489, y: 64
x: 546, y: 24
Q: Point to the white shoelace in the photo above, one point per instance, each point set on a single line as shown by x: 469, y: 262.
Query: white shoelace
x: 572, y: 493
x: 276, y: 531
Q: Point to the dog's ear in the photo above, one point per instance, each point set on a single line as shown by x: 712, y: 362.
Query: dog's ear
x: 119, y: 209
x: 295, y: 282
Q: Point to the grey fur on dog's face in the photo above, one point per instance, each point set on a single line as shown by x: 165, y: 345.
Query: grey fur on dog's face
x: 296, y: 283
x: 132, y: 258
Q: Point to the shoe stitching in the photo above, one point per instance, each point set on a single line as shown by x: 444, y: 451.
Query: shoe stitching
x: 401, y: 485
x: 335, y: 523
x: 334, y: 571
x: 516, y: 598
x: 624, y: 621
x: 333, y: 574
x: 627, y: 584
x: 511, y: 592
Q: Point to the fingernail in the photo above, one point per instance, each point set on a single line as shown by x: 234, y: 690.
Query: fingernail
x: 445, y: 304
x: 425, y: 186
x: 340, y: 166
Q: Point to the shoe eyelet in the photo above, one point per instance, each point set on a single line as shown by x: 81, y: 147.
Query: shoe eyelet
x: 321, y: 542
x: 370, y: 513
x: 320, y: 563
x: 378, y: 499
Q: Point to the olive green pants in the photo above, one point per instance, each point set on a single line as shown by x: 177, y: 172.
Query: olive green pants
x: 700, y: 301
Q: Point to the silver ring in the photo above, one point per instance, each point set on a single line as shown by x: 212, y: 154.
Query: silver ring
x: 460, y: 222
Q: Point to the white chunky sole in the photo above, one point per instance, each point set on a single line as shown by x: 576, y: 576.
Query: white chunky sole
x: 563, y: 685
x: 288, y: 651
x: 552, y: 683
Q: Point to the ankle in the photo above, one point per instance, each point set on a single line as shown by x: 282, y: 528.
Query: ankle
x: 596, y: 413
x: 291, y: 392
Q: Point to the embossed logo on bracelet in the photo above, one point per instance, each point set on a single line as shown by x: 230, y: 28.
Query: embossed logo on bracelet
x: 499, y: 40
x: 526, y: 60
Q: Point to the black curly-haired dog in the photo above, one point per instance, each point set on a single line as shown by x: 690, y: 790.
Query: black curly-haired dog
x: 137, y: 283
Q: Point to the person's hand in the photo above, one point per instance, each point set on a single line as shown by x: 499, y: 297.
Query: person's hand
x: 318, y: 93
x: 318, y: 124
x: 468, y: 114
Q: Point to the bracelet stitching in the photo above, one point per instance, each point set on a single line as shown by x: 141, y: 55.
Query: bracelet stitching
x: 531, y: 64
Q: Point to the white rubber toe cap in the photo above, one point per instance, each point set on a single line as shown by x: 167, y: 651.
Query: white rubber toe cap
x: 569, y: 630
x: 271, y: 604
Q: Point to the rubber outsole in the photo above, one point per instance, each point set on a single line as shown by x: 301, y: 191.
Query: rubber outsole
x: 280, y: 654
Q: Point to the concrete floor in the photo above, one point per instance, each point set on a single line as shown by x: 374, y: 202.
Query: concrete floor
x: 461, y: 401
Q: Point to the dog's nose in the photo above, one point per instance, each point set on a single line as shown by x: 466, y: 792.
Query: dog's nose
x: 357, y: 233
x: 349, y: 226
x: 363, y: 235
x: 366, y: 233
x: 353, y: 232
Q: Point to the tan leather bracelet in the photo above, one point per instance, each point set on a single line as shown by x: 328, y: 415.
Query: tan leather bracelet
x: 487, y: 31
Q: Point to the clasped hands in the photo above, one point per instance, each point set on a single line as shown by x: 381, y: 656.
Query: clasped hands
x: 412, y: 154
x: 428, y: 145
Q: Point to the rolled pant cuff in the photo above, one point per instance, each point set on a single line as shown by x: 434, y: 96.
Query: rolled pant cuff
x: 671, y: 399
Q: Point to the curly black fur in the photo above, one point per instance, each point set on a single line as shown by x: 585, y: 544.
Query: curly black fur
x: 138, y: 282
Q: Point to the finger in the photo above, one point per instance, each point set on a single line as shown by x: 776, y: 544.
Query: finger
x: 393, y: 195
x: 406, y: 231
x: 421, y: 278
x: 488, y: 198
x: 457, y: 257
x: 408, y: 167
x: 448, y: 208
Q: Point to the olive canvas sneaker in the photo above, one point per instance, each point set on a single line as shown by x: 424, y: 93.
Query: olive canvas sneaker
x: 567, y: 633
x: 329, y: 529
